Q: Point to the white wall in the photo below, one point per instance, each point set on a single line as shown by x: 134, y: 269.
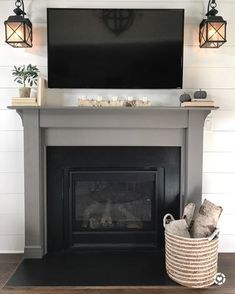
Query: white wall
x: 210, y: 69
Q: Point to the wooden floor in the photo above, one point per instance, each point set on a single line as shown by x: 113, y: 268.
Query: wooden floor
x: 8, y: 263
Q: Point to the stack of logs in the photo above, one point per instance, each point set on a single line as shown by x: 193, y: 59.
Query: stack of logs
x: 195, y: 225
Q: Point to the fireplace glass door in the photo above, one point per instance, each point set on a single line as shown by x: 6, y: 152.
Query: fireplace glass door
x: 113, y: 208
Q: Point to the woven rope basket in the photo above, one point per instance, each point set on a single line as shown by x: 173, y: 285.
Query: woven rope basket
x: 191, y: 262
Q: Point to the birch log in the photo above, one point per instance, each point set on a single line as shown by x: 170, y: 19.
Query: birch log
x: 178, y: 228
x: 189, y: 213
x: 206, y: 220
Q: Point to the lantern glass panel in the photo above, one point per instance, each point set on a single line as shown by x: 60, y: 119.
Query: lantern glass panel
x: 28, y: 35
x: 216, y: 31
x: 15, y: 32
x: 19, y: 34
x: 202, y: 34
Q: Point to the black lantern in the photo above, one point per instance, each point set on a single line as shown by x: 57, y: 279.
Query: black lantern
x: 212, y: 32
x: 18, y: 29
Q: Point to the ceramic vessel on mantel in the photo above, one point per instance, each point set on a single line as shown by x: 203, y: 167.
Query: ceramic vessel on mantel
x: 24, y: 92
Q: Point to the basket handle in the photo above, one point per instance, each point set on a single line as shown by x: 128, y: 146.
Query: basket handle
x: 213, y: 235
x: 167, y: 216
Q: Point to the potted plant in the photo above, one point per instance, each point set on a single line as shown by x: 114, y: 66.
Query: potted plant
x: 26, y: 76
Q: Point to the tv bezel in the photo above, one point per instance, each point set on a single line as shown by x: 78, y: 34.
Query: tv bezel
x: 182, y: 10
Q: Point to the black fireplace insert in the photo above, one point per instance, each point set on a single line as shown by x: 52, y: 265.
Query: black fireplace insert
x: 110, y: 197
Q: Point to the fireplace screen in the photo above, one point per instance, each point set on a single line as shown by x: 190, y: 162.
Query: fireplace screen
x: 113, y: 201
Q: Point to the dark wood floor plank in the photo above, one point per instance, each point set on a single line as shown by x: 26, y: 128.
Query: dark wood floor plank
x: 9, y: 258
x: 121, y: 291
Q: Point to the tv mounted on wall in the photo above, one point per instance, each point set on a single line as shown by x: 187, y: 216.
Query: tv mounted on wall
x: 115, y: 48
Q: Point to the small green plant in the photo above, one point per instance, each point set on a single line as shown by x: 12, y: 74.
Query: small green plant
x: 26, y: 75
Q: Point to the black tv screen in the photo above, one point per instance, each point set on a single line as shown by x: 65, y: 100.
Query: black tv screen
x: 115, y: 48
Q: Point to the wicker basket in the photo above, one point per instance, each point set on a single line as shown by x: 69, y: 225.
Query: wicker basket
x: 191, y: 262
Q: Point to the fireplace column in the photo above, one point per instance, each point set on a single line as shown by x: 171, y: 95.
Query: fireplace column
x: 33, y: 185
x: 194, y: 156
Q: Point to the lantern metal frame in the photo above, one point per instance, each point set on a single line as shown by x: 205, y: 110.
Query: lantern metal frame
x: 23, y: 24
x: 217, y: 23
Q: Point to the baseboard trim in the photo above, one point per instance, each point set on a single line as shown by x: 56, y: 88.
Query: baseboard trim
x: 33, y: 252
x: 11, y: 252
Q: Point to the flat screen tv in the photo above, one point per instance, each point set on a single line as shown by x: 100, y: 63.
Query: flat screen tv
x: 115, y: 48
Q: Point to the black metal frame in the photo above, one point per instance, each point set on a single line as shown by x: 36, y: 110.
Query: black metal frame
x: 19, y: 17
x: 211, y: 18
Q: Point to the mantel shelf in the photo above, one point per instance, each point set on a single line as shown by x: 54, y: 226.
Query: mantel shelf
x: 81, y: 108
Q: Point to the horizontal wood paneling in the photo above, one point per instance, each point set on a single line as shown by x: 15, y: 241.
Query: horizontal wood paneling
x: 200, y: 77
x: 209, y: 77
x: 11, y: 183
x: 219, y: 141
x: 226, y: 224
x: 223, y: 121
x: 193, y: 56
x: 6, y: 94
x: 12, y: 224
x: 226, y: 243
x: 218, y: 183
x: 36, y: 55
x: 194, y: 10
x: 70, y: 96
x: 11, y: 162
x: 10, y: 121
x: 226, y: 201
x: 196, y: 57
x: 194, y: 13
x: 219, y: 162
x: 11, y: 141
x: 224, y: 98
x: 7, y: 80
x: 11, y: 243
x: 11, y: 204
x: 190, y: 37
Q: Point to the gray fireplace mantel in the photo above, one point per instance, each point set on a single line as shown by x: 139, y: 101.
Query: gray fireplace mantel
x: 73, y: 126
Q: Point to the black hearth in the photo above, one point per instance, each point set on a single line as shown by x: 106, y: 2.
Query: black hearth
x: 110, y: 197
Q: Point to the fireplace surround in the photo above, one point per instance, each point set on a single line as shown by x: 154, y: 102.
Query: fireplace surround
x: 110, y: 197
x: 46, y: 128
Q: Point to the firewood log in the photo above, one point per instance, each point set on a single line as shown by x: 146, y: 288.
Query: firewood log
x: 206, y: 220
x: 178, y: 228
x: 189, y: 213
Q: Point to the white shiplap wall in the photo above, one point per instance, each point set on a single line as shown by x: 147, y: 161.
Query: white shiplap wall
x: 213, y: 70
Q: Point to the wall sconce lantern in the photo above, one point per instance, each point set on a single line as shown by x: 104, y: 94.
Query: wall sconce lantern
x: 18, y: 29
x: 212, y: 31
